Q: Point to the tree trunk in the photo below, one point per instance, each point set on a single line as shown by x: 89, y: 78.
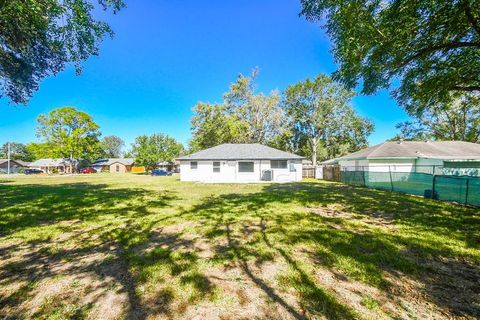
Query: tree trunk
x: 314, y: 145
x: 71, y: 162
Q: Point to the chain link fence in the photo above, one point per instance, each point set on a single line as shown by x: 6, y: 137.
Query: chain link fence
x: 461, y: 185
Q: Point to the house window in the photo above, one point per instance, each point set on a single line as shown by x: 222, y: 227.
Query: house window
x: 117, y: 168
x: 245, y: 167
x: 278, y: 164
x: 194, y: 165
x: 216, y: 166
x: 292, y: 167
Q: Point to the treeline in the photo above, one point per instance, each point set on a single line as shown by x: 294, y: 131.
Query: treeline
x: 314, y: 118
x: 72, y: 134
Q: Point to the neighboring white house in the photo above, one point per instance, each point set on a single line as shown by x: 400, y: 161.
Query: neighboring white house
x: 242, y: 163
x: 448, y: 157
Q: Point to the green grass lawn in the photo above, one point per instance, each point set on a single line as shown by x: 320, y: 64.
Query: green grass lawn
x: 128, y: 246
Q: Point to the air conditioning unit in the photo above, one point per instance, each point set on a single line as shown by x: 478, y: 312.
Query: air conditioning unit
x: 267, y: 175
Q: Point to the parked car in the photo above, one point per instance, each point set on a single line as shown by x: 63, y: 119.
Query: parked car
x: 33, y: 171
x: 161, y: 172
x: 89, y: 170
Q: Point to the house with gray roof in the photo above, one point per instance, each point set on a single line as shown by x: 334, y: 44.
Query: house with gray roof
x: 15, y: 166
x: 62, y: 166
x: 117, y: 165
x: 242, y: 163
x: 453, y: 157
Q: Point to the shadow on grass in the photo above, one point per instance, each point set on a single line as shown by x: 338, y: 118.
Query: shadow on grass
x: 361, y: 252
x: 125, y: 246
x: 110, y: 249
x: 24, y: 206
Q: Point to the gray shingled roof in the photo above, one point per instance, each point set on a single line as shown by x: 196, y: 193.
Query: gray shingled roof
x: 19, y: 162
x: 240, y: 151
x: 110, y: 161
x: 50, y: 163
x: 448, y: 150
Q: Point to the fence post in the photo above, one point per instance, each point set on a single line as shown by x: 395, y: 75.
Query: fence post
x: 466, y: 191
x: 391, y: 180
x: 363, y: 171
x: 433, y: 185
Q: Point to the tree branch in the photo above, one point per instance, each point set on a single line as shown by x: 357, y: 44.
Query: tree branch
x: 465, y: 88
x: 438, y: 47
x: 470, y: 17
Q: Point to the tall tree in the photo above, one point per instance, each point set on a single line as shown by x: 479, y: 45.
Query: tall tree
x: 320, y: 114
x: 112, y: 146
x: 261, y: 115
x: 244, y: 117
x: 459, y: 120
x: 39, y: 38
x: 431, y: 49
x: 211, y: 126
x: 42, y: 150
x: 18, y: 151
x: 71, y: 133
x: 150, y: 150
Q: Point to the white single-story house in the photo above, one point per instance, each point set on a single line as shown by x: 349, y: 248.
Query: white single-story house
x: 117, y: 165
x: 241, y: 163
x: 447, y: 157
x: 54, y: 165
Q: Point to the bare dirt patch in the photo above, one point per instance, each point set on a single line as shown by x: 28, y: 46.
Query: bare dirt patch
x: 382, y: 219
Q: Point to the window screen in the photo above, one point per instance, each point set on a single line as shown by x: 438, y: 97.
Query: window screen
x: 193, y: 165
x: 216, y: 166
x: 278, y: 164
x: 245, y: 167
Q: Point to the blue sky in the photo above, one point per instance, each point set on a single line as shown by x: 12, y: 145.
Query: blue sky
x: 168, y: 55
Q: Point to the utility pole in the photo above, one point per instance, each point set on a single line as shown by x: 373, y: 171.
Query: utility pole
x: 8, y: 157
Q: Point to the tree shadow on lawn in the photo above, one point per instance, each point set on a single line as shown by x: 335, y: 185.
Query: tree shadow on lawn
x: 126, y: 251
x: 32, y: 205
x: 112, y: 254
x: 450, y: 275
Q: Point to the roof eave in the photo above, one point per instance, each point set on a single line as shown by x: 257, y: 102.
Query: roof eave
x: 235, y: 159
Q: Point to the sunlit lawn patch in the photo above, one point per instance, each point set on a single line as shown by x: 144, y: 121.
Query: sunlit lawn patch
x: 127, y: 246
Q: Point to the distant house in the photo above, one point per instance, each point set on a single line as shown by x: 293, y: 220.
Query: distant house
x: 169, y: 165
x: 118, y: 165
x: 241, y: 163
x: 453, y: 157
x: 15, y: 165
x: 62, y: 166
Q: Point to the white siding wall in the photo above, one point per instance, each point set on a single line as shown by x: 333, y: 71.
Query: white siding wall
x: 425, y: 165
x: 229, y: 172
x: 394, y: 165
x: 353, y: 165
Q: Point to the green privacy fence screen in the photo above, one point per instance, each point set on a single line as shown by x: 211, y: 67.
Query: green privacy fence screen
x: 461, y: 189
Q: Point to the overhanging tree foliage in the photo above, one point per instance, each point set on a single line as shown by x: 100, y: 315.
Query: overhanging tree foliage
x: 431, y: 47
x: 459, y: 120
x: 38, y: 38
x: 321, y: 115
